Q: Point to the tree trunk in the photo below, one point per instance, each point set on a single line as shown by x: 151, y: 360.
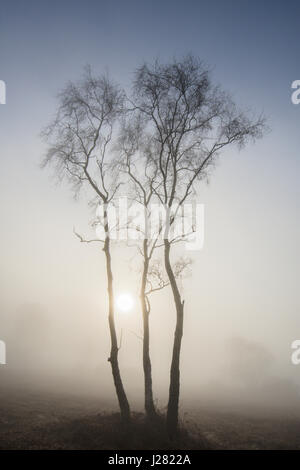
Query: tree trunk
x: 113, y: 359
x: 172, y: 413
x: 149, y: 404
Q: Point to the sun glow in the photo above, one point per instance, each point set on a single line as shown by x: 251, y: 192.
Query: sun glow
x: 125, y: 302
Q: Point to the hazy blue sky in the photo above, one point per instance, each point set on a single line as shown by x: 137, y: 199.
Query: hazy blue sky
x: 248, y: 272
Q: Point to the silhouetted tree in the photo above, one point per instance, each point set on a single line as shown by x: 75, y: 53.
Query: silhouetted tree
x: 79, y: 140
x: 188, y: 122
x: 135, y: 148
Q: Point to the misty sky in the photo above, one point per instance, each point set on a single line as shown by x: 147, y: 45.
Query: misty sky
x: 245, y: 282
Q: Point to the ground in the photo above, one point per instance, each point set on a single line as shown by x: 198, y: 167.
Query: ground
x: 48, y: 421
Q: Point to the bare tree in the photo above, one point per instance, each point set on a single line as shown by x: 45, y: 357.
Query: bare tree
x: 188, y: 121
x: 136, y: 149
x: 79, y: 141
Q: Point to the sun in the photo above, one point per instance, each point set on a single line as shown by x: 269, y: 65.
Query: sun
x: 125, y: 302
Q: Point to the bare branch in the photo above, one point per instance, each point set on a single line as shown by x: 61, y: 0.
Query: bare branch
x: 84, y: 240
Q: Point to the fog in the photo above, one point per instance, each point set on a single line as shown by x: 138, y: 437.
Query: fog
x: 242, y: 296
x: 62, y: 345
x: 241, y: 310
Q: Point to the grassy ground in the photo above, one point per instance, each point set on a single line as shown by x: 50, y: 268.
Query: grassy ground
x: 246, y: 430
x: 40, y: 421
